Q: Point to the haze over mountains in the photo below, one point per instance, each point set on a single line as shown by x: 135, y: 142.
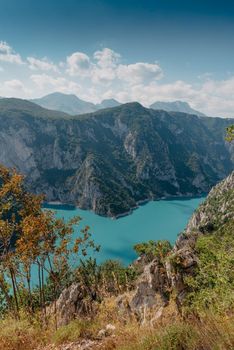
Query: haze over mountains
x: 113, y: 158
x: 71, y: 104
x: 176, y: 106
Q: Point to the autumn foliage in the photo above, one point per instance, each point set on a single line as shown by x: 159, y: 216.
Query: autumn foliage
x: 33, y: 242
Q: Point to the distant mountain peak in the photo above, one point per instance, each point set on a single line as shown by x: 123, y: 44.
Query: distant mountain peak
x: 71, y: 104
x: 68, y: 103
x: 176, y: 106
x: 108, y: 103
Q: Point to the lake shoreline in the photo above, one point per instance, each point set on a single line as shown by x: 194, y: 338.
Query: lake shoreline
x: 147, y: 200
x: 140, y: 203
x: 154, y: 220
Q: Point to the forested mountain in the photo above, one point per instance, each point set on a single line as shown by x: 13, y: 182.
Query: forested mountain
x: 111, y: 159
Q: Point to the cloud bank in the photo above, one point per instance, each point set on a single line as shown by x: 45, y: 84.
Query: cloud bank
x: 105, y: 75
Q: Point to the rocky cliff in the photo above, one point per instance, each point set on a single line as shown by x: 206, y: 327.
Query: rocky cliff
x: 110, y: 160
x: 164, y: 279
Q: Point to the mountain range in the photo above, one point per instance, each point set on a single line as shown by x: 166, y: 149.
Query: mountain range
x: 110, y: 160
x: 176, y: 106
x: 73, y: 105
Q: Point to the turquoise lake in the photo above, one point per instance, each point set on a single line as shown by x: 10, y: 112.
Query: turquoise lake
x: 163, y: 219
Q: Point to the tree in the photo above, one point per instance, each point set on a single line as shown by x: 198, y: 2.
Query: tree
x: 32, y: 238
x: 230, y: 133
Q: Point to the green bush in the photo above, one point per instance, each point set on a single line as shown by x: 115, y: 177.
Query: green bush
x: 212, y: 285
x: 153, y: 249
x: 111, y: 277
x: 73, y: 331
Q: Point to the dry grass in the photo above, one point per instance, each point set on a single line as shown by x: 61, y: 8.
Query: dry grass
x: 20, y: 334
x: 170, y: 333
x: 211, y: 333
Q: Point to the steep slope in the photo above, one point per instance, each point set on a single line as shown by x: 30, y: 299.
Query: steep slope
x: 217, y: 209
x: 70, y: 104
x: 109, y: 160
x: 175, y: 106
x: 16, y: 108
x: 198, y: 271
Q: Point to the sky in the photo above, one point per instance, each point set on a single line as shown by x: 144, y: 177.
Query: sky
x: 130, y: 50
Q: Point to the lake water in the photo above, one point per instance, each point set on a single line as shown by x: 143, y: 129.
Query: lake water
x: 163, y: 219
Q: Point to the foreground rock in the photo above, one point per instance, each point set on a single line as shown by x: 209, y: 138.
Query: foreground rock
x: 160, y: 279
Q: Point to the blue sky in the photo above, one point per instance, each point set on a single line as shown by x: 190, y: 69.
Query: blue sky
x: 126, y: 49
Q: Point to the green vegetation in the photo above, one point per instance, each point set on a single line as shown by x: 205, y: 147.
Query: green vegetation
x: 120, y: 155
x: 153, y: 249
x: 74, y: 330
x: 107, y: 279
x: 210, y: 333
x: 212, y: 286
x: 230, y: 133
x: 34, y: 240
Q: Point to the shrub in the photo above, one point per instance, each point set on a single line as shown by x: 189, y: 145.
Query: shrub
x: 20, y: 334
x: 73, y: 331
x: 153, y: 249
x: 212, y: 285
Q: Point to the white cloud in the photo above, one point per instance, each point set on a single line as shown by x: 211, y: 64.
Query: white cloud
x: 78, y: 64
x: 8, y: 55
x: 107, y: 58
x: 49, y: 83
x: 14, y: 88
x: 222, y: 87
x: 140, y: 72
x: 14, y: 84
x: 41, y: 64
x: 104, y: 67
x: 214, y: 98
x: 104, y: 75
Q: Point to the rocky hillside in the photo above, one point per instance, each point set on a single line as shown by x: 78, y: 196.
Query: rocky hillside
x: 203, y: 254
x: 163, y: 281
x: 110, y: 160
x: 216, y: 210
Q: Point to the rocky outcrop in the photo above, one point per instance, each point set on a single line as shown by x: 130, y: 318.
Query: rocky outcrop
x: 217, y: 208
x: 111, y: 160
x: 163, y: 278
x: 73, y: 302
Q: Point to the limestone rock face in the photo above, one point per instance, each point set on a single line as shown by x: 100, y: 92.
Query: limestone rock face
x: 110, y: 160
x: 216, y: 208
x: 67, y: 304
x: 73, y: 302
x: 152, y: 287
